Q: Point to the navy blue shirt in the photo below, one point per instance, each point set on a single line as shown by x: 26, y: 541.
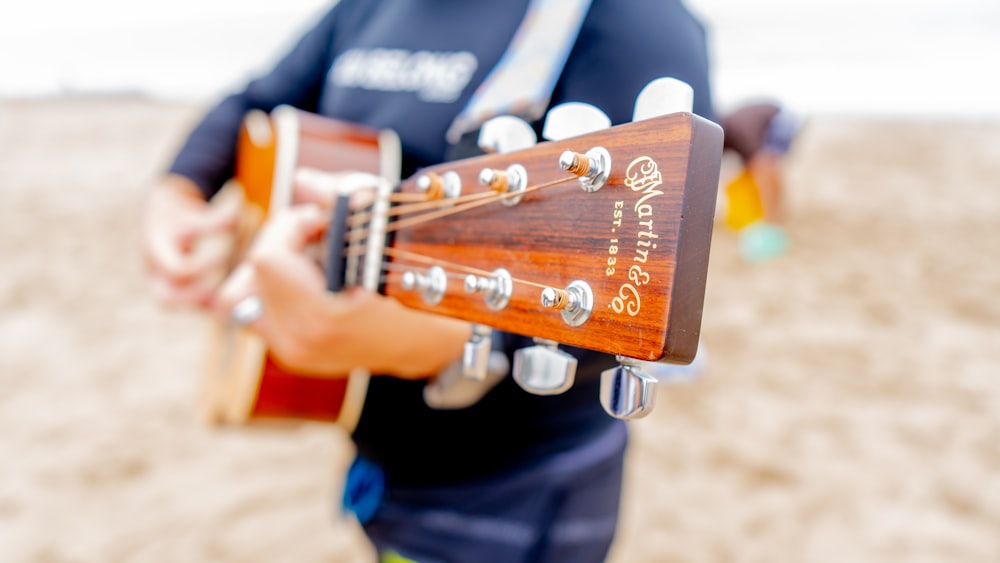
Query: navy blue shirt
x: 411, y: 66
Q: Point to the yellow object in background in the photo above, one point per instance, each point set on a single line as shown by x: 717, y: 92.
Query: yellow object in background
x: 743, y: 198
x: 393, y: 557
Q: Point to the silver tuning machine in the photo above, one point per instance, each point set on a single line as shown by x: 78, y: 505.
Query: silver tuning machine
x: 627, y: 392
x: 431, y: 286
x: 463, y: 383
x: 663, y: 96
x: 512, y: 181
x: 592, y: 168
x: 504, y: 134
x: 576, y: 302
x: 476, y: 355
x: 438, y: 186
x: 572, y: 119
x: 544, y: 369
x: 496, y: 288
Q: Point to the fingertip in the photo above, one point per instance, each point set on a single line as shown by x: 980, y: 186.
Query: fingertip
x: 312, y: 214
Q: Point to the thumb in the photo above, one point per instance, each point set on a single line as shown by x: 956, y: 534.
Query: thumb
x: 220, y: 217
x: 279, y: 253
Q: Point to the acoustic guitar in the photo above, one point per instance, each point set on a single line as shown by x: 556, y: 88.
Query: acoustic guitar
x: 599, y: 241
x: 242, y: 381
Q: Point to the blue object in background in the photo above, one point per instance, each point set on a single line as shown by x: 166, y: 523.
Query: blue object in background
x: 762, y: 241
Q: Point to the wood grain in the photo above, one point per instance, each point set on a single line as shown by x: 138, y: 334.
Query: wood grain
x: 561, y: 233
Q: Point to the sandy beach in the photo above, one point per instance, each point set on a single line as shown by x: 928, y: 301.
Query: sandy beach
x: 849, y: 409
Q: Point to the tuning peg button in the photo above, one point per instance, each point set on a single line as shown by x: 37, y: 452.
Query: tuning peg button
x: 626, y: 391
x: 506, y: 133
x: 544, y: 369
x: 456, y: 388
x: 572, y: 119
x: 476, y: 354
x: 663, y: 96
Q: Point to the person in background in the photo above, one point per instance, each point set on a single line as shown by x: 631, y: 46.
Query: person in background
x: 515, y: 476
x: 761, y: 134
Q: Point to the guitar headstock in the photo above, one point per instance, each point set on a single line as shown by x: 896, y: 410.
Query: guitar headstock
x: 599, y: 241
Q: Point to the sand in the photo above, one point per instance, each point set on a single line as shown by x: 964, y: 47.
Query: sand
x: 849, y: 409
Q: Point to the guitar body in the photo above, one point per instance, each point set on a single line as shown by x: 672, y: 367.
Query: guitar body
x: 242, y: 382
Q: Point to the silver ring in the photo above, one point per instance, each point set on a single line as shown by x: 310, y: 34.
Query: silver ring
x: 247, y: 310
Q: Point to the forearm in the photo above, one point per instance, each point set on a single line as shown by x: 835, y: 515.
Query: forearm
x: 415, y: 344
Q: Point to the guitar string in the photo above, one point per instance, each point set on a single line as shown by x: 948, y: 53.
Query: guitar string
x: 418, y: 202
x: 407, y: 198
x: 440, y: 208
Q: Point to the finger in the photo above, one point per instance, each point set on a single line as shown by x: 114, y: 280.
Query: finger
x: 290, y: 283
x: 190, y: 248
x: 322, y: 188
x: 315, y: 187
x: 282, y: 275
x: 239, y: 288
x: 172, y: 294
x: 165, y: 257
x: 292, y: 289
x: 368, y: 187
x: 216, y: 218
x: 239, y: 285
x: 290, y: 231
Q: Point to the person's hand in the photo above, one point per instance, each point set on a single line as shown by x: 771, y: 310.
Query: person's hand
x: 177, y: 219
x: 311, y: 330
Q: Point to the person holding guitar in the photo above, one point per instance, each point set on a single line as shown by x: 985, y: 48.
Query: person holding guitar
x: 514, y: 476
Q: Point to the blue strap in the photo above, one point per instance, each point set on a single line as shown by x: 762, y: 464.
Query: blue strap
x: 363, y: 489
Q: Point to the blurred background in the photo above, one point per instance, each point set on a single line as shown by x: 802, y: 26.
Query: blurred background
x: 846, y: 408
x: 884, y: 57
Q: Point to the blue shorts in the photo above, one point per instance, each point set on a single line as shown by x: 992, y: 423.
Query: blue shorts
x: 564, y: 509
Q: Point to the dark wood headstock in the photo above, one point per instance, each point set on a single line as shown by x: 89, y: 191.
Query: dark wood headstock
x: 640, y: 242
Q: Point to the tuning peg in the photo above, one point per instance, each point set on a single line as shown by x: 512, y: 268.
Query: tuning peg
x: 572, y: 119
x: 544, y: 369
x: 437, y: 186
x: 476, y: 355
x: 506, y: 133
x: 662, y: 96
x: 626, y: 391
x: 575, y: 303
x: 431, y: 286
x: 496, y: 288
x: 592, y: 169
x: 463, y: 383
x: 513, y: 181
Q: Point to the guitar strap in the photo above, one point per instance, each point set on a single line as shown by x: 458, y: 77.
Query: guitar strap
x: 522, y: 82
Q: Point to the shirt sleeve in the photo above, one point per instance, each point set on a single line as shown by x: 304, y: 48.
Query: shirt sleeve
x: 207, y: 156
